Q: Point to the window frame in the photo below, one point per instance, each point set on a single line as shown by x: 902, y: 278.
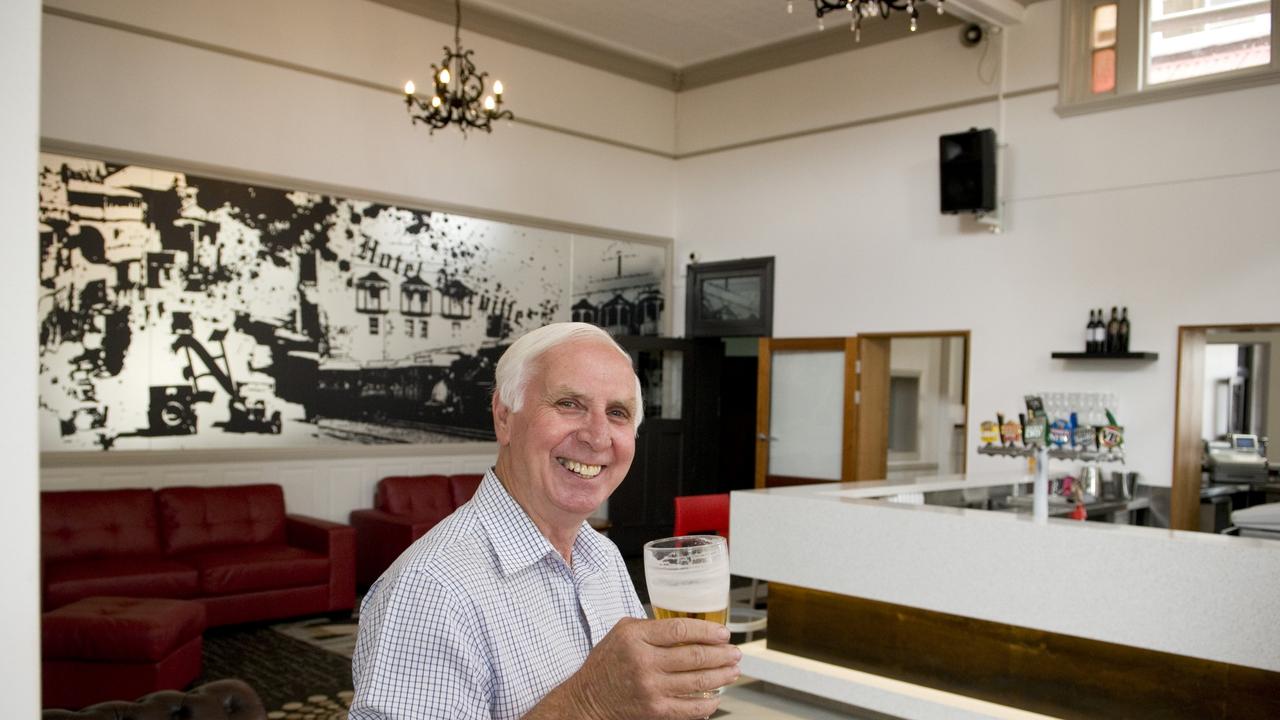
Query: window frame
x: 1074, y: 96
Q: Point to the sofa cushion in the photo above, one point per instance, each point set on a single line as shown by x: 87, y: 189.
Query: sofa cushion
x: 199, y: 518
x: 97, y: 523
x: 423, y: 498
x: 121, y: 629
x: 463, y: 487
x: 131, y: 575
x: 253, y: 568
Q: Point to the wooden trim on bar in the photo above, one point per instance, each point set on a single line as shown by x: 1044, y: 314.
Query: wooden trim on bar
x: 1060, y: 675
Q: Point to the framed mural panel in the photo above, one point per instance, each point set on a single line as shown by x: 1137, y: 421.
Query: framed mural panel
x: 730, y: 298
x: 180, y: 311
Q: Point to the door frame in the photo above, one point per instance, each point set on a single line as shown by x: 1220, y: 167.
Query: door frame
x: 964, y: 374
x: 764, y: 373
x: 1188, y: 413
x: 866, y: 399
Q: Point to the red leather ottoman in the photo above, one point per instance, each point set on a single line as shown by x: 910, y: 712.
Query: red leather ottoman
x: 101, y: 648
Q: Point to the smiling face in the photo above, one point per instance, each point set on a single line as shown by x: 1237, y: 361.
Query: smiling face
x: 572, y: 441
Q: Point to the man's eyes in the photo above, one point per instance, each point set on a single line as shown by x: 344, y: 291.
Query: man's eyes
x: 616, y: 412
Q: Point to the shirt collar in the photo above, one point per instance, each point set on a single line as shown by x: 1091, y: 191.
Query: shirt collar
x: 517, y: 542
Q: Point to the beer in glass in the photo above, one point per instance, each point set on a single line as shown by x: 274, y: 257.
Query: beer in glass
x: 688, y: 577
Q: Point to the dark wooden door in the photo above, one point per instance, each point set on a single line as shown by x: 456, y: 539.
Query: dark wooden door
x: 678, y: 441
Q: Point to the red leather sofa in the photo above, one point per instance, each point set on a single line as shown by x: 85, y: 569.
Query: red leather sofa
x: 405, y: 508
x: 231, y: 548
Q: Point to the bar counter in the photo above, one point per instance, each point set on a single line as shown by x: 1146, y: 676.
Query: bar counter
x: 1041, y: 603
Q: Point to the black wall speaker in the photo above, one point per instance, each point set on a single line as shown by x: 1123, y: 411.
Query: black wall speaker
x: 967, y: 167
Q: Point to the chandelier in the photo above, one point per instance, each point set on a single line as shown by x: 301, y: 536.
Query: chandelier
x: 859, y: 9
x: 456, y: 91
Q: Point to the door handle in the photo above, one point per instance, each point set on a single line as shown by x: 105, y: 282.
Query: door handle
x: 762, y: 436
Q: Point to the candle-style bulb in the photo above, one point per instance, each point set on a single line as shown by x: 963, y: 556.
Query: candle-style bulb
x: 444, y: 76
x: 497, y: 87
x: 489, y: 104
x: 409, y: 88
x: 435, y: 101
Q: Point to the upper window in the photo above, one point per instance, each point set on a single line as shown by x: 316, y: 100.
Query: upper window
x: 1122, y: 52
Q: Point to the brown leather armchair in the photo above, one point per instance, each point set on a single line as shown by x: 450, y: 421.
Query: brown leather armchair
x: 217, y: 700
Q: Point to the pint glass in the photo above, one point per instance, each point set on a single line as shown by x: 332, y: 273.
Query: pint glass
x: 688, y: 577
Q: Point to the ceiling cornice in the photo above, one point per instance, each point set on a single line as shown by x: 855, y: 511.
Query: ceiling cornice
x: 537, y: 37
x: 836, y: 39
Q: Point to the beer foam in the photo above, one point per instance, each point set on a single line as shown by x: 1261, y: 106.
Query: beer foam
x: 689, y: 591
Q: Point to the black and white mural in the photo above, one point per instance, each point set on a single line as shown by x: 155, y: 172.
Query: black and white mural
x: 179, y: 311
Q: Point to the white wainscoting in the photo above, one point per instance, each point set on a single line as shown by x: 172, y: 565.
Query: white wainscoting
x: 324, y: 483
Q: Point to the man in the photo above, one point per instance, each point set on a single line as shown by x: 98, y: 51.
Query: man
x: 512, y: 607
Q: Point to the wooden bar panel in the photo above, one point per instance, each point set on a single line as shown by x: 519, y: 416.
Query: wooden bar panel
x: 1059, y: 675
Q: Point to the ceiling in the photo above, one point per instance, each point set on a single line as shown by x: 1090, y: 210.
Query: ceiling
x: 678, y: 44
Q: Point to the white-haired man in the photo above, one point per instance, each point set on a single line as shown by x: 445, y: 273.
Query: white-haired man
x: 512, y: 607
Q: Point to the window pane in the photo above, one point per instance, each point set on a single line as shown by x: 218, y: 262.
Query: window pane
x: 1103, y: 71
x: 1194, y: 38
x: 1104, y: 26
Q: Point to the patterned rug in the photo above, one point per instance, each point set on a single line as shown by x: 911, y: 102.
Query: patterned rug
x: 295, y: 678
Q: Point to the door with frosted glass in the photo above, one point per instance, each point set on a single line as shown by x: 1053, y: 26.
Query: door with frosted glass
x: 806, y: 410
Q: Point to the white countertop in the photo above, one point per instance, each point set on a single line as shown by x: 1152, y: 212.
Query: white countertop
x: 1197, y: 594
x: 922, y: 483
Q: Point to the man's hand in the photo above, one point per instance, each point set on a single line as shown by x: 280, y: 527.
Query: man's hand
x: 647, y: 669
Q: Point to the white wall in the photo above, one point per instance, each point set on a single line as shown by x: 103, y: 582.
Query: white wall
x: 1166, y: 208
x: 920, y: 358
x: 1129, y: 207
x: 19, y: 533
x: 134, y: 93
x: 1220, y: 363
x: 280, y: 89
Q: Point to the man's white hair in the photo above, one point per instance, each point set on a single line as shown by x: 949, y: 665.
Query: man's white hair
x: 513, y: 372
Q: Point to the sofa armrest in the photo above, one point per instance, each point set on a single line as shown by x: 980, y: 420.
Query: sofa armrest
x: 380, y: 538
x: 336, y: 542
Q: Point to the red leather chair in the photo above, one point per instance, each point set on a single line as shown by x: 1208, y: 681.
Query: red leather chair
x: 709, y: 515
x: 405, y: 508
x: 703, y: 515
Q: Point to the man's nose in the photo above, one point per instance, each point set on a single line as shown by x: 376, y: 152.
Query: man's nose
x: 595, y: 430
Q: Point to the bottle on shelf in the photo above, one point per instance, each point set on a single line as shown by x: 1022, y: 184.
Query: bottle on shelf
x: 1123, y: 336
x: 1100, y: 334
x: 1113, y: 331
x: 1090, y: 334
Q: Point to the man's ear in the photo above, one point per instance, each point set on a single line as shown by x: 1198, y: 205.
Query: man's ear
x: 501, y: 421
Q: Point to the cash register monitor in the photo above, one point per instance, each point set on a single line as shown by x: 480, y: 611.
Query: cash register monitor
x: 1244, y: 442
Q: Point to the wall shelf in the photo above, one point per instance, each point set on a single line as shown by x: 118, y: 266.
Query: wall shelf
x: 1105, y: 356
